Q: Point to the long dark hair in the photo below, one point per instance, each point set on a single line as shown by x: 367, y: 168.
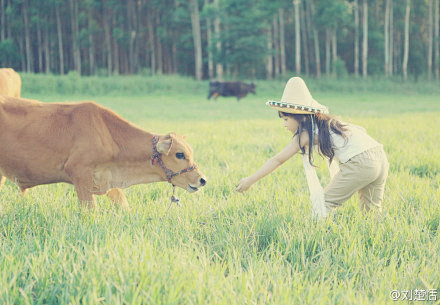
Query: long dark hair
x: 325, y: 124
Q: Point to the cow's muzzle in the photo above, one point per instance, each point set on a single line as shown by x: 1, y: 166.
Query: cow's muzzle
x: 192, y: 188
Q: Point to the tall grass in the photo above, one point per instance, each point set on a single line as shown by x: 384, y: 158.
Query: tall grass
x: 222, y: 247
x: 73, y: 84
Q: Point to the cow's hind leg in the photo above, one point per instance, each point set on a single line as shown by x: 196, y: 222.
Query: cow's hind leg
x: 23, y: 191
x: 118, y: 197
x: 2, y: 181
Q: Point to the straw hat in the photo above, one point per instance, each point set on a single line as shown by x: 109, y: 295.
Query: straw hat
x: 297, y: 99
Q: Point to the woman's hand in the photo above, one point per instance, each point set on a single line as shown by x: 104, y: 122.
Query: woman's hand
x: 244, y: 185
x: 270, y: 165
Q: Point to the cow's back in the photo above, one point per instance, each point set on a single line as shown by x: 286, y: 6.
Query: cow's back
x: 37, y: 138
x: 232, y: 88
x: 10, y: 82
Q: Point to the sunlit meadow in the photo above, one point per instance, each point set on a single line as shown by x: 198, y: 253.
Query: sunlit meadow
x: 223, y: 247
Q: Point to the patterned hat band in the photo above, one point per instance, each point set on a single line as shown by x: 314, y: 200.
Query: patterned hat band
x: 295, y: 108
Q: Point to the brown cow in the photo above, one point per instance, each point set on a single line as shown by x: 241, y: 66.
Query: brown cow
x: 89, y: 146
x: 10, y: 82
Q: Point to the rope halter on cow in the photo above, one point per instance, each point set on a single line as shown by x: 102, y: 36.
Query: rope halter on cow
x: 156, y: 157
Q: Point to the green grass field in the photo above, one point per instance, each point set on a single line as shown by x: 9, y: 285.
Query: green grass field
x: 223, y: 247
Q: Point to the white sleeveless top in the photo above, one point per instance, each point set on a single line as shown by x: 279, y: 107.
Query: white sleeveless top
x: 357, y: 142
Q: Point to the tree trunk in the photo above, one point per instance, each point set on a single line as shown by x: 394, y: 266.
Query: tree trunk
x: 406, y: 43
x: 92, y: 67
x: 46, y: 49
x: 305, y: 38
x: 22, y: 50
x: 159, y: 60
x: 174, y: 56
x: 227, y: 52
x: 39, y: 48
x: 209, y: 45
x: 197, y: 38
x: 430, y: 42
x: 27, y: 39
x: 139, y: 36
x: 436, y: 40
x: 150, y: 44
x: 219, y: 66
x: 209, y: 49
x: 356, y: 38
x: 297, y: 38
x: 391, y: 38
x: 115, y: 47
x: 327, y: 52
x: 365, y: 39
x: 269, y: 67
x: 334, y: 50
x: 315, y: 43
x: 75, y: 35
x: 276, y: 45
x: 107, y: 39
x: 282, y: 43
x: 173, y: 48
x: 386, y: 31
x: 60, y: 39
x: 131, y: 25
x: 310, y: 34
x: 7, y: 20
x: 2, y: 20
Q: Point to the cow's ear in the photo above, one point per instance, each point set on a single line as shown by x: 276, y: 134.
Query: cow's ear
x: 164, y: 144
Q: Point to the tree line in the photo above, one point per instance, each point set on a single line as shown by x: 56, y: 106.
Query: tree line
x: 222, y: 38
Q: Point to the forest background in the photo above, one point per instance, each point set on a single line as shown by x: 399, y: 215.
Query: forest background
x: 150, y: 61
x: 222, y: 39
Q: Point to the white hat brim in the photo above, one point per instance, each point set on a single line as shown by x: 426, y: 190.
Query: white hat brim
x: 296, y: 98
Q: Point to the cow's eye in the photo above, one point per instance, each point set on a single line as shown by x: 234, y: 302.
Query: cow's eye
x: 180, y: 156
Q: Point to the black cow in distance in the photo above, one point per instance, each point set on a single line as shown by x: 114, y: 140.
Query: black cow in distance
x: 237, y: 89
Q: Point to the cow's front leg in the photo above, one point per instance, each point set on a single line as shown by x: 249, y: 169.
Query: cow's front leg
x: 118, y: 197
x: 82, y: 179
x: 84, y: 192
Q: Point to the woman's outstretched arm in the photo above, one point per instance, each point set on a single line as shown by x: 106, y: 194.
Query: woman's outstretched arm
x: 273, y: 163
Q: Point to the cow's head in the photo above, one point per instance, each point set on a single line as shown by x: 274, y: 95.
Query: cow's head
x: 178, y: 163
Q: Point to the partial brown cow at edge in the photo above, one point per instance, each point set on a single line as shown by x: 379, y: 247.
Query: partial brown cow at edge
x: 10, y: 82
x: 89, y: 146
